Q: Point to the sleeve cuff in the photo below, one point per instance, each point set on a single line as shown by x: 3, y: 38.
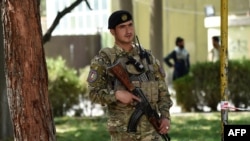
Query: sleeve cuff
x: 166, y: 115
x: 112, y: 96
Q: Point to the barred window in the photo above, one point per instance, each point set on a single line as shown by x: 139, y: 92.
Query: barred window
x: 80, y: 20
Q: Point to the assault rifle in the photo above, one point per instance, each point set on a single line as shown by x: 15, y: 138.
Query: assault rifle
x: 142, y: 107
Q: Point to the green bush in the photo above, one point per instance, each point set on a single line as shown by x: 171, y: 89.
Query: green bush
x: 83, y: 75
x: 184, y: 93
x: 201, y: 87
x: 64, y: 86
x: 239, y: 81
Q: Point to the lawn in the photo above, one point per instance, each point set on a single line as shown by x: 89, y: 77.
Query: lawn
x: 184, y: 127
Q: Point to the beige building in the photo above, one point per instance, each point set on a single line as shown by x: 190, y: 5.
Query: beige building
x: 159, y: 22
x: 186, y: 18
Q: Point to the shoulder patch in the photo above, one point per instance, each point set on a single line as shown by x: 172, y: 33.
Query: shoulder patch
x: 110, y: 53
x: 92, y: 76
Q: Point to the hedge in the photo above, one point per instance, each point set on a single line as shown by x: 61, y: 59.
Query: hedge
x: 202, y: 86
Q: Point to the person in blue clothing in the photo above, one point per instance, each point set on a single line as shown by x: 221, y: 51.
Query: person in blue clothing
x: 179, y: 59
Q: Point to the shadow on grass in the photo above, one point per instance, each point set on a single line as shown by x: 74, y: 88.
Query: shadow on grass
x: 195, y: 128
x: 203, y: 126
x: 83, y: 135
x: 184, y: 127
x: 81, y: 129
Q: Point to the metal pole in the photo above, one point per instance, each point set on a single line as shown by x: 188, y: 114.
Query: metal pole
x: 224, y: 65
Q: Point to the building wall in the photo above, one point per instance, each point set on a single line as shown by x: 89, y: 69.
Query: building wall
x: 182, y: 18
x: 238, y: 35
x: 77, y: 50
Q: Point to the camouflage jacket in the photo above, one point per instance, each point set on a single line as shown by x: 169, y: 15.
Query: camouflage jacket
x: 102, y: 84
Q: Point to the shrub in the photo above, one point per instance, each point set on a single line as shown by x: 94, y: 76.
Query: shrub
x: 83, y: 75
x: 185, y: 96
x: 239, y: 83
x: 201, y: 87
x: 64, y: 86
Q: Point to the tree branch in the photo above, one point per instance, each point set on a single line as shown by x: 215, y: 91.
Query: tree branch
x: 47, y: 35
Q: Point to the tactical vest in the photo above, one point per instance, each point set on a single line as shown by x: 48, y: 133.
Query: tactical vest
x: 145, y: 79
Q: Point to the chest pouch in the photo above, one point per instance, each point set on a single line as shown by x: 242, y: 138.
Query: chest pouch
x: 150, y: 90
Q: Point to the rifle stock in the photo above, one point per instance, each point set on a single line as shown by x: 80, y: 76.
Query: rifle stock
x: 121, y: 75
x: 142, y: 107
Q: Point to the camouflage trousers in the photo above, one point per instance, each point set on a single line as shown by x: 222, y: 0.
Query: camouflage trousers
x: 118, y: 121
x: 124, y: 136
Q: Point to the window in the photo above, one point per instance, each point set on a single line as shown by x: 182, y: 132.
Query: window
x: 81, y: 20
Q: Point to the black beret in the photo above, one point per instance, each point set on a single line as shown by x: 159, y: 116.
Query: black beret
x: 118, y: 17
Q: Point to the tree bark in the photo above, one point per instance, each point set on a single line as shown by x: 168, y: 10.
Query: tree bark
x: 126, y: 5
x: 5, y: 122
x: 26, y: 73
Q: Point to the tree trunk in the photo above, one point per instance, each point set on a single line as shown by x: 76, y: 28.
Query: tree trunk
x: 156, y: 29
x: 5, y: 122
x: 26, y: 73
x: 126, y: 5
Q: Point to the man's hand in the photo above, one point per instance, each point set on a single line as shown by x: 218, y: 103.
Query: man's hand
x: 164, y: 126
x: 125, y: 97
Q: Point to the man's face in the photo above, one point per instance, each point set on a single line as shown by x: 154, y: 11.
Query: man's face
x: 181, y: 44
x: 124, y: 32
x: 215, y: 43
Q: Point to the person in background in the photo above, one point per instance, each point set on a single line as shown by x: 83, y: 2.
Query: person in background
x: 178, y: 59
x: 106, y: 89
x: 215, y: 51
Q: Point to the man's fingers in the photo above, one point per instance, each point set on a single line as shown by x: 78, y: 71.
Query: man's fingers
x: 136, y: 98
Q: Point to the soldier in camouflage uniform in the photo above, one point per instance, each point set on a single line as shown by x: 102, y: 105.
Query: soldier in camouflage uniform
x: 107, y: 90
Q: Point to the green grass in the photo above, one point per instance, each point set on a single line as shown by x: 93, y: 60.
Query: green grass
x: 184, y: 127
x: 81, y: 129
